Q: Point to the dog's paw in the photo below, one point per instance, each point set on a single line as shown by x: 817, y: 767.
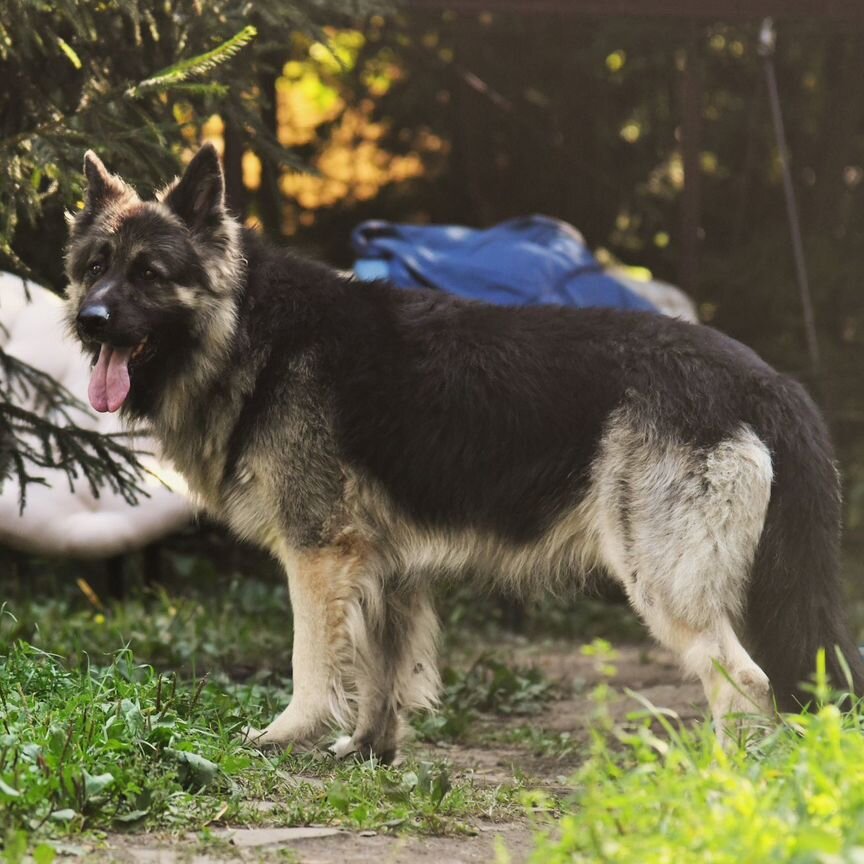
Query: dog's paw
x: 348, y: 747
x: 257, y: 738
x: 250, y: 735
x: 343, y: 747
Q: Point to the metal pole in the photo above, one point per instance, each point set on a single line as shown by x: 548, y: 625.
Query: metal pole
x: 691, y: 142
x: 767, y: 39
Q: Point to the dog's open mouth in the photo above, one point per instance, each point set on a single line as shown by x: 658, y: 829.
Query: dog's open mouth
x: 109, y: 378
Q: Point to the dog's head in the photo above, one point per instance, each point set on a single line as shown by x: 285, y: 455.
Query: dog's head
x: 152, y: 283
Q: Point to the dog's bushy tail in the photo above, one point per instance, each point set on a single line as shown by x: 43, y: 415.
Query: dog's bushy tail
x: 796, y: 604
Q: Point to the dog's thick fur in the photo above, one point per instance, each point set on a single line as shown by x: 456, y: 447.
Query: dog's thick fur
x: 373, y: 438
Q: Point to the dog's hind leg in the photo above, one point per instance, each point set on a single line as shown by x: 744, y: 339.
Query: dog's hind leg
x: 399, y: 673
x: 326, y: 586
x: 680, y: 528
x: 734, y: 684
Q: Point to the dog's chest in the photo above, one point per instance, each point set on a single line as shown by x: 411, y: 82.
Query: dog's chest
x: 201, y: 467
x: 251, y: 506
x: 269, y: 476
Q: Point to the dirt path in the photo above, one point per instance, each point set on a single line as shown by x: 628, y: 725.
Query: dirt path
x: 644, y: 669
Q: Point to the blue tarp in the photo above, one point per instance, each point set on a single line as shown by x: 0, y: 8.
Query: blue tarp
x: 526, y: 261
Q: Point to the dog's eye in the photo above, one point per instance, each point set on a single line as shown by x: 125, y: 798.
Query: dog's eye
x: 148, y: 274
x: 95, y: 268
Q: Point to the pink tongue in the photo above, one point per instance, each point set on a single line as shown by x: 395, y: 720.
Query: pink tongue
x: 109, y: 380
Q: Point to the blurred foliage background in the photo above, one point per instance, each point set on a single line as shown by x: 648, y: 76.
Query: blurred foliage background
x: 338, y: 112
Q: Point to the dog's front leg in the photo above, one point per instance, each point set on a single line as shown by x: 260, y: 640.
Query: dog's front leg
x: 321, y: 589
x: 397, y: 671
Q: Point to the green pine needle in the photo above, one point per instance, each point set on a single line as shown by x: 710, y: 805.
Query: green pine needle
x: 69, y: 51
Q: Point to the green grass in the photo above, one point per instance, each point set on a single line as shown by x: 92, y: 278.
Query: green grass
x: 127, y: 719
x: 655, y: 791
x: 124, y: 746
x: 488, y: 686
x: 242, y: 626
x: 539, y: 741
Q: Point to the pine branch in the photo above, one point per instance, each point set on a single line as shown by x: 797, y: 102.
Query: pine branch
x: 194, y: 66
x: 48, y: 437
x: 25, y: 384
x: 101, y: 460
x: 213, y: 89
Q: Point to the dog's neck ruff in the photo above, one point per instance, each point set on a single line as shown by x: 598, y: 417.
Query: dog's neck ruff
x: 185, y: 417
x: 226, y: 269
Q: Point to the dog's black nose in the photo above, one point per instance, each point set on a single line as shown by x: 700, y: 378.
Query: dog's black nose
x: 93, y: 318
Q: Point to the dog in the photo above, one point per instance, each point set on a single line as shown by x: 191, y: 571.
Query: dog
x: 375, y: 439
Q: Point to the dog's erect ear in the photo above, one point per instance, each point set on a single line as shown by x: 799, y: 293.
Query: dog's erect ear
x: 199, y: 195
x: 101, y: 186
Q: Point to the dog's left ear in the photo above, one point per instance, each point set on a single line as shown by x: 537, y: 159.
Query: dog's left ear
x: 199, y: 195
x: 102, y: 186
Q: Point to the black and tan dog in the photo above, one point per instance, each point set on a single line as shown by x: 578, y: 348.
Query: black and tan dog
x: 373, y: 439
